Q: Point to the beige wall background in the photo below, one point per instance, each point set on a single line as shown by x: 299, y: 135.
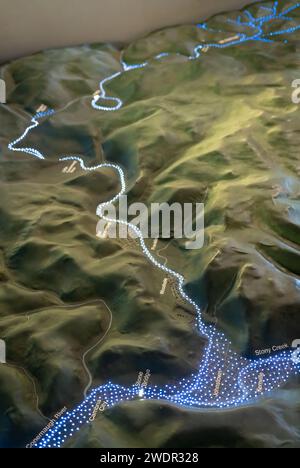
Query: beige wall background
x: 28, y: 26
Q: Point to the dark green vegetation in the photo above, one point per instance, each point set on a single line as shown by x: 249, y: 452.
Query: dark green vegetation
x: 221, y: 130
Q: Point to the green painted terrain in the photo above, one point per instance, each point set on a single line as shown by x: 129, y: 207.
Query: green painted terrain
x: 221, y: 130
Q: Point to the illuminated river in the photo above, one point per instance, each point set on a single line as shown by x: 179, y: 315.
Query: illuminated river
x: 224, y: 378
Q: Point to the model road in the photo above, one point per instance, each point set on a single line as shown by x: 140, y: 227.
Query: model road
x: 224, y: 379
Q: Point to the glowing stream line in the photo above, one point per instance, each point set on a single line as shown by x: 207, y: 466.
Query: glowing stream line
x: 224, y: 379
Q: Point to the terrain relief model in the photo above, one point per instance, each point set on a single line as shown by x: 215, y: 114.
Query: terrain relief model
x: 135, y: 341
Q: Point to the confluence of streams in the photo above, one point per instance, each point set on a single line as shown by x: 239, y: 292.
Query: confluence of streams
x: 239, y: 376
